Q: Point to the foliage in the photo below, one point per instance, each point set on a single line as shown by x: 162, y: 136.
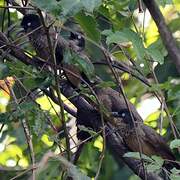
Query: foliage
x: 29, y: 118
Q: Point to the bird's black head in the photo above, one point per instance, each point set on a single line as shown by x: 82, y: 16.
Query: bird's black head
x: 30, y: 22
x: 78, y: 38
x: 125, y: 115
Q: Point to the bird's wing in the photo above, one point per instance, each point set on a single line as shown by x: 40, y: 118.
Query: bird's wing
x: 154, y: 140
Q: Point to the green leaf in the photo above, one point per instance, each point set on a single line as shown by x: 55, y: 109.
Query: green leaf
x: 82, y: 64
x: 158, y: 160
x: 106, y: 84
x: 136, y: 155
x: 4, y: 71
x: 71, y: 169
x: 89, y: 25
x: 117, y: 37
x: 107, y: 32
x: 86, y: 67
x: 128, y: 35
x: 132, y: 5
x: 83, y: 128
x: 53, y: 7
x: 90, y: 5
x: 156, y: 55
x: 4, y: 117
x: 153, y: 167
x: 164, y: 2
x: 70, y: 7
x: 175, y: 143
x: 175, y: 171
x: 174, y: 177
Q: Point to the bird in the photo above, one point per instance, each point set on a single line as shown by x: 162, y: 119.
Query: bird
x: 78, y: 39
x: 90, y: 119
x: 144, y: 139
x: 111, y: 102
x: 32, y: 26
x: 148, y: 142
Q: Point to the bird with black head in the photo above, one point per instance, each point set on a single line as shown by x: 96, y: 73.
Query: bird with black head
x: 150, y: 142
x: 78, y: 39
x: 32, y: 25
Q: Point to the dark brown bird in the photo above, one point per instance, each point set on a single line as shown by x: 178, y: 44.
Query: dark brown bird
x: 33, y: 27
x: 150, y: 141
x: 111, y: 102
x: 78, y: 39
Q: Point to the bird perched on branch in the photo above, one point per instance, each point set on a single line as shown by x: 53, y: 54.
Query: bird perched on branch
x: 68, y: 53
x: 141, y: 138
x: 152, y: 143
x: 111, y: 102
x: 146, y: 141
x: 78, y: 39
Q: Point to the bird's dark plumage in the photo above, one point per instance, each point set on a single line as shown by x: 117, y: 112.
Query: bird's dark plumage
x: 78, y: 39
x: 150, y: 141
x: 32, y: 25
x: 30, y: 22
x: 90, y: 119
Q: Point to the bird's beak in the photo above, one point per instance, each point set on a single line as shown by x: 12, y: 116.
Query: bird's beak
x: 20, y: 32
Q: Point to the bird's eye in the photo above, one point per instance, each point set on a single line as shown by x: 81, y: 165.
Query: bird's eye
x: 79, y: 37
x: 29, y: 24
x: 123, y: 114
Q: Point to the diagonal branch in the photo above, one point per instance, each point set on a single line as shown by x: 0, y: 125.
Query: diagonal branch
x: 164, y: 31
x: 114, y: 141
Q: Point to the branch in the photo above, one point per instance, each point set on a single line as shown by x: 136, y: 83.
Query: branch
x: 118, y: 149
x: 164, y: 31
x: 114, y: 141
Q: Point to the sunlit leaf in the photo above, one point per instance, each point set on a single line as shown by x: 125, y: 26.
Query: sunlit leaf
x: 53, y: 7
x: 127, y: 35
x: 89, y: 26
x: 91, y: 5
x: 175, y: 143
x: 136, y: 155
x: 156, y: 55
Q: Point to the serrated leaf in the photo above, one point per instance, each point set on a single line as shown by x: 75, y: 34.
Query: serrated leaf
x: 70, y: 7
x: 91, y: 5
x: 82, y: 64
x: 85, y: 67
x: 53, y: 7
x: 117, y: 37
x: 107, y: 32
x: 175, y: 144
x: 89, y: 26
x: 158, y: 160
x: 136, y: 155
x: 156, y: 55
x: 153, y: 167
x: 174, y: 177
x: 175, y: 171
x: 127, y: 35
